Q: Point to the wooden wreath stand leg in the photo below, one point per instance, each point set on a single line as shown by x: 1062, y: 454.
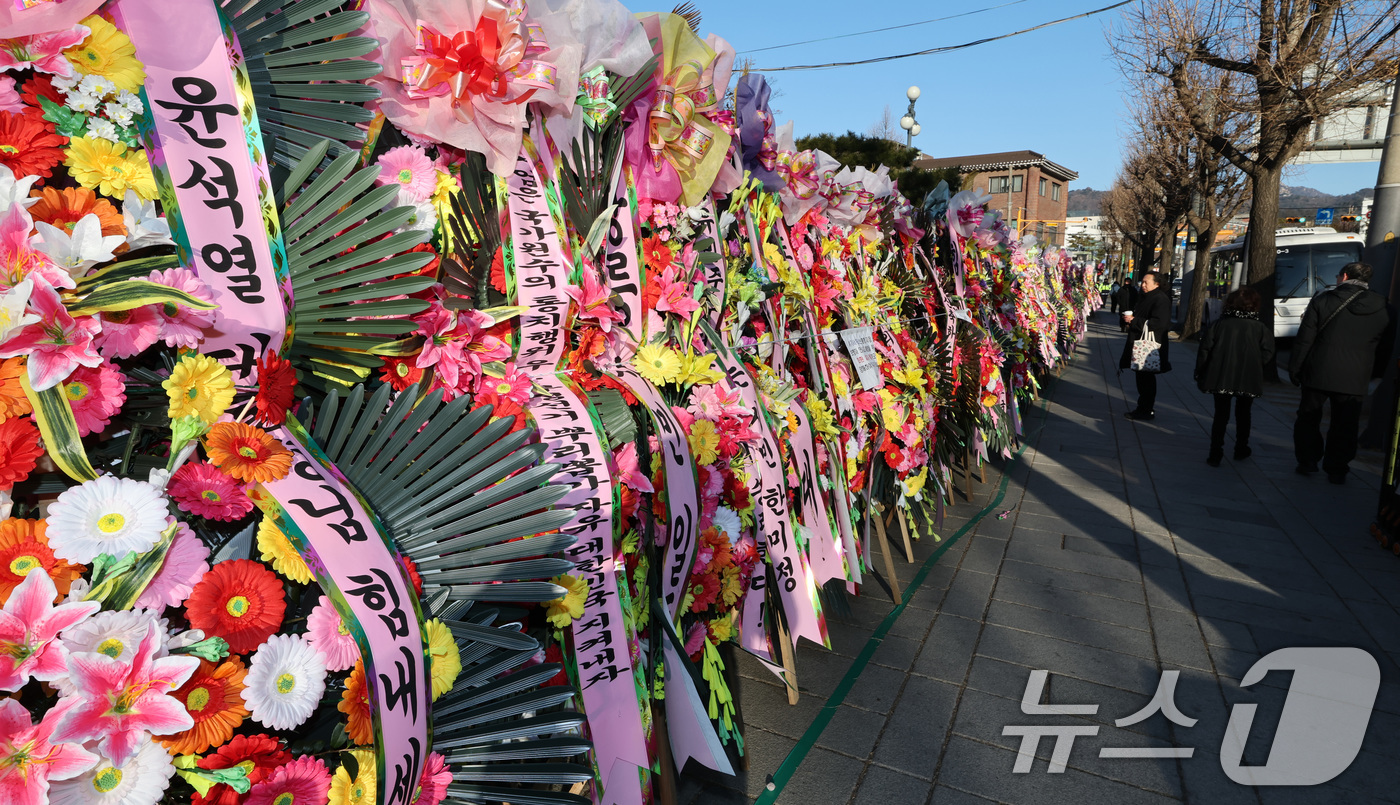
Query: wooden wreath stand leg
x: 665, y: 787
x: 967, y: 474
x: 789, y: 658
x: 904, y: 530
x: 883, y: 543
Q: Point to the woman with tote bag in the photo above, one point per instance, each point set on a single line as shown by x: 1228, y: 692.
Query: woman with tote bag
x: 1147, y: 323
x: 1230, y: 365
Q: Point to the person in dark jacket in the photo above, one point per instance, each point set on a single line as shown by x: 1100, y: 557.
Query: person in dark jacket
x: 1150, y: 313
x: 1113, y: 296
x: 1127, y: 298
x: 1230, y: 365
x: 1333, y: 359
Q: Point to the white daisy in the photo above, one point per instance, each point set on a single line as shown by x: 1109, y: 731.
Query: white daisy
x: 131, y: 101
x: 117, y: 112
x: 424, y: 213
x: 285, y: 681
x: 82, y: 102
x: 115, y: 634
x: 97, y: 85
x: 727, y: 522
x: 142, y: 780
x: 108, y: 515
x: 105, y: 129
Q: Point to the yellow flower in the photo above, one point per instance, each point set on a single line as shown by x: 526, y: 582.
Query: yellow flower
x: 446, y: 186
x: 822, y: 420
x: 699, y: 369
x: 357, y: 791
x: 840, y: 384
x: 561, y: 611
x: 912, y: 375
x: 446, y: 659
x: 730, y: 586
x: 722, y: 628
x: 138, y: 175
x: 704, y: 441
x: 914, y: 484
x: 277, y: 550
x: 199, y: 386
x: 100, y: 165
x: 109, y: 53
x: 657, y: 363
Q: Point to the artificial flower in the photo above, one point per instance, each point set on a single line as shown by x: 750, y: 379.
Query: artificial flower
x: 727, y: 522
x: 400, y: 373
x: 19, y: 450
x: 560, y: 612
x: 181, y: 325
x: 445, y: 660
x: 285, y: 681
x: 29, y: 627
x: 247, y: 453
x: 238, y: 600
x: 42, y: 52
x: 142, y: 780
x: 275, y: 549
x: 199, y: 386
x: 326, y: 633
x: 108, y: 515
x: 213, y: 698
x: 436, y: 777
x: 107, y: 52
x: 201, y: 489
x: 277, y: 382
x: 185, y: 564
x: 139, y: 176
x: 13, y: 305
x: 357, y: 790
x: 56, y: 344
x: 116, y: 634
x: 27, y: 146
x: 64, y: 208
x: 592, y: 300
x: 513, y: 385
x: 658, y: 363
x: 409, y: 168
x: 126, y: 333
x: 704, y: 441
x: 629, y: 470
x: 304, y: 781
x: 14, y: 190
x: 78, y: 250
x: 259, y: 755
x: 354, y: 703
x: 116, y: 703
x: 95, y: 394
x: 100, y: 165
x: 144, y: 226
x: 673, y: 296
x: 30, y: 760
x: 13, y: 401
x: 10, y: 100
x: 656, y: 253
x: 24, y: 545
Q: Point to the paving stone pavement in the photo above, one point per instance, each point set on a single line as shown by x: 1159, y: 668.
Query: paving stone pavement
x: 1123, y: 556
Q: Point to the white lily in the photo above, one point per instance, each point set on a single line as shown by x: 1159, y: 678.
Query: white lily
x: 12, y: 304
x: 83, y: 249
x: 15, y: 191
x: 143, y: 226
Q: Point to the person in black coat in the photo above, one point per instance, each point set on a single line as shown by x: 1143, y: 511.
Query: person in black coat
x: 1333, y: 360
x: 1151, y: 313
x: 1230, y: 365
x: 1127, y: 298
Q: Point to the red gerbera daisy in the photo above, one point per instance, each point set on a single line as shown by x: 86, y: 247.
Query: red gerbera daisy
x: 412, y: 568
x: 27, y: 147
x: 277, y: 382
x: 498, y: 270
x: 263, y: 754
x: 240, y: 601
x: 400, y: 373
x: 657, y: 254
x: 19, y: 450
x: 201, y: 489
x: 40, y: 86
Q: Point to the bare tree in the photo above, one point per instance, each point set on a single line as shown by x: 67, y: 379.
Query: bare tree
x: 886, y: 128
x: 1296, y: 61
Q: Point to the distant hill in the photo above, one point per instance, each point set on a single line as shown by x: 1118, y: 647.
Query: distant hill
x: 1301, y: 201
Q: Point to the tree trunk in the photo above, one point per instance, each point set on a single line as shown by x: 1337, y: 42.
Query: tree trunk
x: 1200, y: 283
x: 1263, y: 220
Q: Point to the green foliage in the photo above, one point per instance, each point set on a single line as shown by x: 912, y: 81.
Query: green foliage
x: 859, y: 150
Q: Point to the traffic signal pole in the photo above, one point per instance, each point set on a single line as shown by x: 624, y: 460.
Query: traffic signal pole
x: 1385, y: 210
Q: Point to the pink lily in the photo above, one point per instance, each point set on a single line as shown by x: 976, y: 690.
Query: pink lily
x: 437, y: 325
x: 29, y: 626
x: 28, y: 760
x: 675, y: 296
x: 592, y: 300
x: 43, y: 52
x: 629, y: 470
x: 18, y: 256
x: 117, y: 702
x: 56, y: 344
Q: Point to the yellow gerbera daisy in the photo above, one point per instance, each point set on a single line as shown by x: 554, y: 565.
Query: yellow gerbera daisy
x: 561, y: 611
x: 704, y: 441
x: 360, y: 789
x: 698, y: 369
x: 722, y: 628
x: 446, y: 659
x: 657, y: 363
x: 277, y: 550
x: 822, y: 420
x: 109, y: 53
x: 100, y: 165
x: 139, y: 176
x: 200, y: 386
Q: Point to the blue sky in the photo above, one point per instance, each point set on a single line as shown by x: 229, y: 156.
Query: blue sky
x: 1055, y: 91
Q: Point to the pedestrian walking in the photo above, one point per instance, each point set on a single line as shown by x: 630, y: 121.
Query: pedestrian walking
x: 1230, y: 365
x: 1113, y: 296
x: 1150, y: 314
x: 1333, y: 360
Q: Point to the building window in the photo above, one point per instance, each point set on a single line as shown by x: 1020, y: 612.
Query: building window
x: 1055, y: 191
x: 1040, y: 231
x: 997, y: 184
x: 1016, y: 183
x: 1042, y: 186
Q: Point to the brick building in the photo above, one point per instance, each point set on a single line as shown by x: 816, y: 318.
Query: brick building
x: 1019, y: 182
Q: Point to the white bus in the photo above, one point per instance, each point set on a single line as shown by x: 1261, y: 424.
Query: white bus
x: 1307, y: 264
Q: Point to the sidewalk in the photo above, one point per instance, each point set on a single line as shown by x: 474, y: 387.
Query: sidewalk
x: 1123, y: 555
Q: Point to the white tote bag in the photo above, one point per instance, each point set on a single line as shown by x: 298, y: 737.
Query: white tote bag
x: 1147, y: 353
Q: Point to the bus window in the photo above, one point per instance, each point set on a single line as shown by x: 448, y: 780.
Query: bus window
x: 1291, y: 272
x: 1328, y: 259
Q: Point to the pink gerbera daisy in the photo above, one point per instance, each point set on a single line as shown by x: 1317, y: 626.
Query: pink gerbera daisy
x: 305, y: 779
x: 432, y: 786
x: 185, y: 564
x: 128, y: 332
x: 95, y: 393
x: 514, y: 386
x: 181, y: 326
x: 203, y: 489
x: 328, y: 635
x: 409, y: 168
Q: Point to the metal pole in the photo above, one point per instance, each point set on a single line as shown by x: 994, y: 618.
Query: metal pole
x: 1385, y: 210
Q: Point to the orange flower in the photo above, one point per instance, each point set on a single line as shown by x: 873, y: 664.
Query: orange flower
x: 247, y: 453
x: 24, y: 545
x: 277, y: 382
x: 64, y: 208
x: 12, y: 399
x: 19, y: 450
x: 213, y: 698
x: 354, y: 703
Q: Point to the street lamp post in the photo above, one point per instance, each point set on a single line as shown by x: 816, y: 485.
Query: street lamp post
x: 908, y: 122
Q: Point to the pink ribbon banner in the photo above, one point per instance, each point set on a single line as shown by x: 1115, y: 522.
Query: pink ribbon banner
x: 215, y: 188
x: 825, y: 556
x: 356, y: 565
x: 567, y: 429
x: 621, y: 262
